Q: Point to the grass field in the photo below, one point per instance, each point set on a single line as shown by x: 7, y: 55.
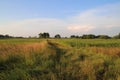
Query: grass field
x: 59, y: 59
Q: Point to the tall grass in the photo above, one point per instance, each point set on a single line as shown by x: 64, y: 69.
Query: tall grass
x: 58, y: 60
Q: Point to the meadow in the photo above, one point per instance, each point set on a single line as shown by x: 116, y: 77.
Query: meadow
x: 59, y: 59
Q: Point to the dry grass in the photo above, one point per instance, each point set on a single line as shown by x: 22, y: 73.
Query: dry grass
x: 22, y: 49
x: 106, y: 50
x: 50, y: 60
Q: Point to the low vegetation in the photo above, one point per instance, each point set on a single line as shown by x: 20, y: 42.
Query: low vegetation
x: 59, y: 59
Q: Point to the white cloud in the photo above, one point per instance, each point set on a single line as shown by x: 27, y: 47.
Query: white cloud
x: 102, y: 18
x: 80, y: 28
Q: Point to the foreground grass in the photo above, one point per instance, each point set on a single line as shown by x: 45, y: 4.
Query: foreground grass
x: 59, y: 60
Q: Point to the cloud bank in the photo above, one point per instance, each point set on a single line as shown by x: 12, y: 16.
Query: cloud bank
x: 101, y: 20
x: 80, y: 28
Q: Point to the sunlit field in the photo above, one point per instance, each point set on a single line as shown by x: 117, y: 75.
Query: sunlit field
x: 59, y: 59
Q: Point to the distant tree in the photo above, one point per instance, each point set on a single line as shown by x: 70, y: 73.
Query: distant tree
x: 84, y: 36
x: 1, y: 36
x: 77, y: 36
x: 72, y: 36
x: 91, y: 36
x: 19, y: 37
x: 88, y: 36
x: 44, y: 35
x: 57, y: 36
x: 40, y: 35
x: 103, y: 37
x: 5, y: 36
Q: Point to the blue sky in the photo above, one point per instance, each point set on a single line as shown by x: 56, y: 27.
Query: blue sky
x: 65, y: 17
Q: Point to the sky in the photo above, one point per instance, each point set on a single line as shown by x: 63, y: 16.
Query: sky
x: 65, y: 17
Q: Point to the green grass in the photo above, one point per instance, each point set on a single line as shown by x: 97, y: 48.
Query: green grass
x: 91, y: 42
x: 19, y: 41
x: 59, y: 59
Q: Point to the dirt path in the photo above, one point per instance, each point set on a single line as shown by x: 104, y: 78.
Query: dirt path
x: 58, y: 48
x: 60, y: 51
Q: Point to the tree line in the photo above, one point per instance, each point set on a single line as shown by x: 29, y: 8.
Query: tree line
x: 84, y: 36
x: 47, y: 35
x: 92, y: 36
x: 7, y: 36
